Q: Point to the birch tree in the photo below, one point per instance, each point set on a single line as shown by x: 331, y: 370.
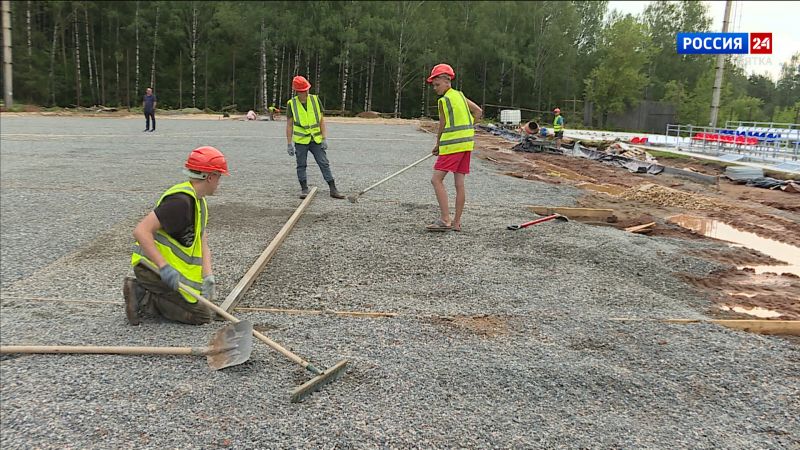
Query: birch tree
x: 77, y: 55
x: 89, y: 56
x: 194, y: 54
x: 155, y: 48
x: 136, y: 68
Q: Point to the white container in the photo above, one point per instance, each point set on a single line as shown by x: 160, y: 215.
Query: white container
x: 510, y: 116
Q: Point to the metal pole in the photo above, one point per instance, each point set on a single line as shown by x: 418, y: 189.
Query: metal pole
x: 720, y: 66
x: 8, y: 94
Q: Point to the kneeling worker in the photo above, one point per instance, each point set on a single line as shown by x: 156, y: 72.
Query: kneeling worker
x: 173, y: 238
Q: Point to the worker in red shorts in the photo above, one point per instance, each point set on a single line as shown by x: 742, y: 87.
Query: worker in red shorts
x: 454, y: 143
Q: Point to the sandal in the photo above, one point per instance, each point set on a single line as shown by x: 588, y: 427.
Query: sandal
x: 438, y: 225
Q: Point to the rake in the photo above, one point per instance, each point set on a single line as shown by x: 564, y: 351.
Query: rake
x: 354, y: 198
x: 321, y: 378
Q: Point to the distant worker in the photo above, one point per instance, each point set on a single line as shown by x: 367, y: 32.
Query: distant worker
x: 173, y: 237
x: 149, y: 103
x: 558, y: 127
x: 454, y: 144
x: 272, y: 111
x: 306, y: 132
x: 251, y: 115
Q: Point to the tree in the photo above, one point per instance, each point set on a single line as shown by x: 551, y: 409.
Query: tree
x: 619, y: 79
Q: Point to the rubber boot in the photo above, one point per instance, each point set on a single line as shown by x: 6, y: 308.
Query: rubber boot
x: 303, y: 189
x: 334, y: 192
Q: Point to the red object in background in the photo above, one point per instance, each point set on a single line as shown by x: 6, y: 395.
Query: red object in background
x: 760, y: 43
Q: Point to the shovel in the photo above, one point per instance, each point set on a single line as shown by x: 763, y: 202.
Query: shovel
x: 534, y: 222
x: 322, y: 377
x: 354, y: 198
x: 230, y: 346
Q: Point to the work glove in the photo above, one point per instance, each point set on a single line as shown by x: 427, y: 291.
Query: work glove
x: 290, y: 149
x: 209, y: 287
x: 170, y: 276
x: 324, y: 145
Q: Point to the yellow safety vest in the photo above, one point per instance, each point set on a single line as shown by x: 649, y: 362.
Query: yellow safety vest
x: 459, y: 133
x: 556, y: 125
x: 306, y: 123
x: 188, y: 261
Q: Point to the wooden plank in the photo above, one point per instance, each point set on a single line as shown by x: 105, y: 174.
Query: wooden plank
x: 572, y: 212
x: 238, y: 291
x: 777, y: 327
x: 782, y: 327
x: 319, y: 312
x: 639, y: 228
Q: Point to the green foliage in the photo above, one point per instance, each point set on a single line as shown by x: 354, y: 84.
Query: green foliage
x: 618, y: 80
x: 532, y: 55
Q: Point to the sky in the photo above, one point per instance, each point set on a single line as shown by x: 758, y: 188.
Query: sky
x: 780, y: 18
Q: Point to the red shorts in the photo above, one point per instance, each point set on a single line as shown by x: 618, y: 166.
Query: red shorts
x: 454, y: 162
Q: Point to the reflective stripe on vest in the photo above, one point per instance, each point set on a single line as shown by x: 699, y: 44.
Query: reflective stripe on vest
x: 188, y: 261
x: 459, y: 131
x: 556, y: 125
x: 306, y: 126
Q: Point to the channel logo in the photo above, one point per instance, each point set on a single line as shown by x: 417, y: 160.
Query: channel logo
x: 724, y: 43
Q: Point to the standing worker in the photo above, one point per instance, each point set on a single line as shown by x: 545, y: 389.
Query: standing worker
x: 149, y: 102
x: 306, y: 132
x: 454, y: 144
x: 173, y: 237
x: 558, y: 127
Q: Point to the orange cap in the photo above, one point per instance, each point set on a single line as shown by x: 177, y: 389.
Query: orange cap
x: 441, y: 69
x: 300, y: 84
x: 207, y: 159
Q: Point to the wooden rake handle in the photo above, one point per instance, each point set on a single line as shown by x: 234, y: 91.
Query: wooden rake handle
x: 227, y: 316
x: 396, y: 173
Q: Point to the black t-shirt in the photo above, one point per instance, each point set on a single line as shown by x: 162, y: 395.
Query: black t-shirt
x: 176, y: 214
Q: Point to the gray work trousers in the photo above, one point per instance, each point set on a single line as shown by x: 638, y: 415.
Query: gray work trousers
x: 301, y: 153
x: 161, y: 300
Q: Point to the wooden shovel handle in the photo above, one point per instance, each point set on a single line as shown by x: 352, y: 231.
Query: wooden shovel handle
x: 91, y: 349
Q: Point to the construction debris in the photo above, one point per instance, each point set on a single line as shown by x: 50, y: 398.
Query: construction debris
x: 643, y: 229
x: 606, y: 215
x: 664, y: 196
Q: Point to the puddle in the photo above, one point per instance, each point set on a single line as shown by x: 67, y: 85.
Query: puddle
x: 605, y: 188
x: 722, y: 231
x: 762, y: 313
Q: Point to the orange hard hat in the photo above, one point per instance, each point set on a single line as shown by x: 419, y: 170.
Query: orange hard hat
x: 557, y: 110
x: 300, y: 84
x: 441, y: 69
x: 207, y: 159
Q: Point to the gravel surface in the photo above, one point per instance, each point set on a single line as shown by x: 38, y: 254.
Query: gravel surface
x: 502, y: 338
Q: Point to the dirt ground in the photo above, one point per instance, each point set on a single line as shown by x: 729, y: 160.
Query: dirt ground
x: 639, y: 199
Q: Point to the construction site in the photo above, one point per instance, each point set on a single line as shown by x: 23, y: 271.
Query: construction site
x: 458, y: 264
x: 621, y: 327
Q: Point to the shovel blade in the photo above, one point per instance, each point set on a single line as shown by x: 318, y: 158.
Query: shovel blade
x: 231, y: 345
x: 513, y: 227
x: 353, y: 198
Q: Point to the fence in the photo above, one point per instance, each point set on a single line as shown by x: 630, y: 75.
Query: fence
x: 770, y: 144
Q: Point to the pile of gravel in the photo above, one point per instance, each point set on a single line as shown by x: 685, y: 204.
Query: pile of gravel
x: 502, y: 338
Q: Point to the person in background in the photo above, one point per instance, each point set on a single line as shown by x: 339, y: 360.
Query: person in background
x: 558, y: 127
x: 306, y: 132
x: 149, y: 102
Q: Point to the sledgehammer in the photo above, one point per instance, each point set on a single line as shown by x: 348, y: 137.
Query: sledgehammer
x: 534, y: 222
x: 354, y: 198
